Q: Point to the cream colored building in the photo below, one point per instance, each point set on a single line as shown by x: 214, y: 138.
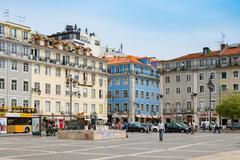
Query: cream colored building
x: 184, y: 90
x: 50, y: 62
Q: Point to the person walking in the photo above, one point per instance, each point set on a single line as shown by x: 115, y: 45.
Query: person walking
x: 216, y: 128
x: 147, y: 127
x: 203, y: 126
x: 161, y: 129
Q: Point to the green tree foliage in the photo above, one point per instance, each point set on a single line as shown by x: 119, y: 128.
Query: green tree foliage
x: 230, y: 107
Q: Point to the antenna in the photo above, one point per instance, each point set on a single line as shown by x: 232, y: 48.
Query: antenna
x: 6, y: 14
x: 223, y: 37
x: 20, y: 19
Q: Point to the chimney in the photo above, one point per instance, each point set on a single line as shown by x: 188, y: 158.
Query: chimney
x: 206, y: 50
x: 223, y: 46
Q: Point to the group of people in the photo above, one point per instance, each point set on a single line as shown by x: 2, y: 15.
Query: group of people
x: 51, y: 129
x: 214, y: 126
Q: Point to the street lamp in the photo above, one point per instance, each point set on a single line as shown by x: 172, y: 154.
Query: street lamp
x: 70, y: 81
x: 210, y: 87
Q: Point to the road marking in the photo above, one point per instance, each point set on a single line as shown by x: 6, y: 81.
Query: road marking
x: 165, y: 157
x: 26, y: 155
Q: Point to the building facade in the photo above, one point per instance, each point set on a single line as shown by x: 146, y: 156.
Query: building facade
x: 133, y: 90
x: 76, y: 35
x: 185, y: 93
x: 35, y: 69
x: 15, y: 68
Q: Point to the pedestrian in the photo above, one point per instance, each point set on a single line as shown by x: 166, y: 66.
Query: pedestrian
x: 147, y: 127
x: 216, y: 128
x: 203, y: 126
x: 194, y: 126
x: 161, y: 129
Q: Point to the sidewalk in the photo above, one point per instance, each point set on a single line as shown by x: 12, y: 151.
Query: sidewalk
x: 232, y: 155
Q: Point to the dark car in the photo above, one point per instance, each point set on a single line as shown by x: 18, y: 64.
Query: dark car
x: 235, y: 125
x: 136, y: 127
x: 175, y: 127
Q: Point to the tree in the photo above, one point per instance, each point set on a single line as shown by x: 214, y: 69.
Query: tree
x: 230, y: 107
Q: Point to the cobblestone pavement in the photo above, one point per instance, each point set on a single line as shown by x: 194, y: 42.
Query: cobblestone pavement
x: 139, y: 146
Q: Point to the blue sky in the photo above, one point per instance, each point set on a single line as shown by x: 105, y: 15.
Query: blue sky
x: 161, y: 28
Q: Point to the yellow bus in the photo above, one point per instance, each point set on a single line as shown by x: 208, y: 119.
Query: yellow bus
x: 19, y: 119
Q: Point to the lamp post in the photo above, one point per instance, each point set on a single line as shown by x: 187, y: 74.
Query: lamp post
x: 210, y: 87
x: 70, y: 81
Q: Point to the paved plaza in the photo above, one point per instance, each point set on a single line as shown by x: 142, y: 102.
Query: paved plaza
x: 138, y: 146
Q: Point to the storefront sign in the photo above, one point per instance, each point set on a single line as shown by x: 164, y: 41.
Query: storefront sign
x: 3, y: 125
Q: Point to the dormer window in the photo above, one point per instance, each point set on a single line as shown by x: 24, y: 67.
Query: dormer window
x: 50, y: 43
x: 25, y: 35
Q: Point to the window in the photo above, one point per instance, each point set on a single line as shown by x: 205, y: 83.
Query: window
x: 136, y: 94
x: 37, y: 105
x: 152, y: 96
x: 125, y: 107
x: 14, y: 85
x: 189, y: 106
x: 201, y: 63
x: 47, y: 88
x: 48, y: 71
x: 2, y: 101
x: 2, y: 83
x: 117, y: 69
x: 157, y: 108
x: 93, y: 108
x: 109, y: 94
x: 67, y: 73
x: 58, y: 59
x: 142, y: 94
x: 100, y: 94
x: 58, y: 107
x: 224, y: 75
x: 85, y: 92
x: 13, y: 102
x: 224, y: 62
x: 147, y: 108
x: 125, y: 81
x: 109, y: 82
x: 37, y: 69
x: 201, y: 76
x: 47, y: 106
x: 125, y: 94
x: 2, y: 30
x: 58, y: 89
x: 93, y: 95
x: 58, y: 72
x: 235, y: 87
x: 142, y: 107
x: 101, y: 81
x: 14, y: 49
x: 85, y: 63
x: 178, y: 107
x: 152, y: 108
x: 167, y: 79
x: 178, y: 78
x: 136, y: 80
x: 25, y: 67
x: 94, y: 78
x: 67, y: 108
x: 201, y: 106
x: 25, y: 103
x: 157, y: 84
x: 142, y: 82
x: 14, y: 65
x: 47, y: 55
x: 235, y: 74
x: 212, y: 75
x: 147, y: 95
x: 147, y: 83
x: 188, y: 77
x: 85, y: 108
x: 167, y: 91
x: 125, y: 69
x: 224, y: 87
x: 158, y: 96
x: 201, y: 89
x: 25, y: 51
x: 178, y: 90
x: 117, y: 107
x: 25, y: 35
x: 93, y: 64
x: 109, y: 108
x: 2, y: 63
x: 189, y: 90
x: 117, y: 81
x: 25, y: 86
x: 37, y: 85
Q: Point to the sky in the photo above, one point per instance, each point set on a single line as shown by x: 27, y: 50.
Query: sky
x: 159, y: 28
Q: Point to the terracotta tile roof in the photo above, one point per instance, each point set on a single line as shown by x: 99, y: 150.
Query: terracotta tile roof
x: 196, y: 56
x: 231, y: 51
x: 122, y: 60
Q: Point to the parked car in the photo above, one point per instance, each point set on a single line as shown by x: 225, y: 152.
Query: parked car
x: 235, y: 125
x: 186, y: 125
x: 175, y: 127
x: 136, y: 127
x: 212, y: 125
